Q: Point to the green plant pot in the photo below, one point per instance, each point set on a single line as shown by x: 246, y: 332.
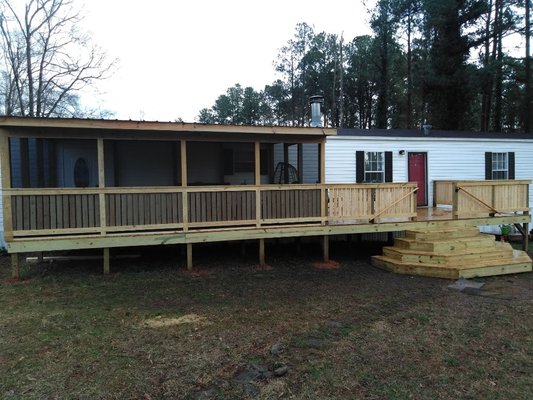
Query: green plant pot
x: 505, y: 229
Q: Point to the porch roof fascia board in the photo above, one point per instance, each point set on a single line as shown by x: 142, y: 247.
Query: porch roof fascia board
x: 92, y: 125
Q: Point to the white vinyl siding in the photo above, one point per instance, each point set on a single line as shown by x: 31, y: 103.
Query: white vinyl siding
x: 447, y: 159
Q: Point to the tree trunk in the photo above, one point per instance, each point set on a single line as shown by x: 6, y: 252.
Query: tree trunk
x: 487, y: 81
x: 527, y: 100
x: 341, y: 86
x: 409, y: 110
x: 498, y: 76
x: 381, y: 107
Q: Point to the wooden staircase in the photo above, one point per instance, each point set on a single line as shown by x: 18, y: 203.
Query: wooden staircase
x: 452, y: 253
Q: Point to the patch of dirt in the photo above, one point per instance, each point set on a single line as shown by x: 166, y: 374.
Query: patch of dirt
x: 15, y: 281
x: 326, y: 264
x: 165, y: 322
x: 264, y: 267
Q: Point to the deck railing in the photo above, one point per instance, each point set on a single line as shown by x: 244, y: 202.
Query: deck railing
x: 69, y: 211
x: 481, y: 198
x: 369, y: 202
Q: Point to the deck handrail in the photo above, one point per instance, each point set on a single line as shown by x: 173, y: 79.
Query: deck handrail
x: 55, y: 211
x: 470, y: 198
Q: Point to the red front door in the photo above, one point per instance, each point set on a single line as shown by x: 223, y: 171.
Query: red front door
x: 418, y: 174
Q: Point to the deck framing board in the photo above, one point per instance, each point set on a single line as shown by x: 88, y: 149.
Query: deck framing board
x: 221, y: 235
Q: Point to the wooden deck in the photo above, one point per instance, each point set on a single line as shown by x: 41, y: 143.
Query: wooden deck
x: 67, y: 219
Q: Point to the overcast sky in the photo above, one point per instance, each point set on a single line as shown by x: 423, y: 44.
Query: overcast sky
x: 176, y: 57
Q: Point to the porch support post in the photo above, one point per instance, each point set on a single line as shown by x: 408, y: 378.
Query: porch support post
x: 185, y: 200
x: 322, y: 160
x: 5, y: 166
x: 189, y: 256
x: 107, y: 264
x: 101, y: 185
x: 322, y: 180
x: 300, y: 162
x: 325, y: 247
x: 286, y: 163
x: 262, y: 252
x: 257, y: 152
x: 15, y: 269
x: 184, y: 195
x: 183, y: 156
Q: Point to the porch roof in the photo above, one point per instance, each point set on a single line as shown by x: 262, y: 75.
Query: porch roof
x: 91, y: 126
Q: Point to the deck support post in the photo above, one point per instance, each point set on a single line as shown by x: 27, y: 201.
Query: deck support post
x: 525, y: 243
x: 15, y: 268
x: 262, y: 252
x: 189, y: 256
x: 325, y: 247
x: 107, y: 264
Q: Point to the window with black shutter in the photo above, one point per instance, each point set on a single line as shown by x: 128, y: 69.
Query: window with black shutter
x: 499, y: 165
x: 373, y: 166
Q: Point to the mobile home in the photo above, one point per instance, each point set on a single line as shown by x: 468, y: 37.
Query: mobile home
x: 76, y: 184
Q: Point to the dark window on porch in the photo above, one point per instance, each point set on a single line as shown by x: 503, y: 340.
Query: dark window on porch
x: 244, y: 161
x: 131, y: 163
x: 41, y: 163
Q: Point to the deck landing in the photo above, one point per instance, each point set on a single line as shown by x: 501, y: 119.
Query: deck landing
x: 452, y: 254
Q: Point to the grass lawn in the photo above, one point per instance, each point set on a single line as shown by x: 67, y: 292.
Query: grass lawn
x: 154, y: 331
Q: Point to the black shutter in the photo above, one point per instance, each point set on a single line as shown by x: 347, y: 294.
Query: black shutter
x: 388, y: 166
x: 511, y: 165
x: 488, y: 166
x: 359, y: 166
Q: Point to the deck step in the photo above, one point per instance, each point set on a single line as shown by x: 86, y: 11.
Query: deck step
x: 452, y: 254
x: 446, y: 234
x: 489, y: 267
x: 445, y: 245
x: 462, y: 257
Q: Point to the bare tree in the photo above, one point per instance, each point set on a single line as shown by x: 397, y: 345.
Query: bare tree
x: 47, y: 59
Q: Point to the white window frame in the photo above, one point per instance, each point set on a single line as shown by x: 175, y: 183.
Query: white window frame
x: 372, y: 166
x: 500, y: 165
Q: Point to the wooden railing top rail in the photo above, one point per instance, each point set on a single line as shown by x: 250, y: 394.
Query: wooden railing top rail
x: 195, y: 189
x: 498, y: 182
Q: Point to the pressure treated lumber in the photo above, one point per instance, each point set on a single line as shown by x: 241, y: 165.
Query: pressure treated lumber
x: 452, y: 253
x: 189, y: 256
x: 106, y: 260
